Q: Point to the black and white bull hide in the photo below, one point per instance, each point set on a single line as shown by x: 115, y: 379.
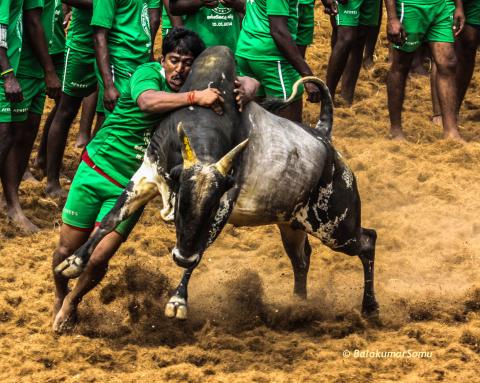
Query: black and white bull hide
x: 251, y: 168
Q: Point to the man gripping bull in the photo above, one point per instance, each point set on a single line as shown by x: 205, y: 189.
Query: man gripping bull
x: 116, y: 152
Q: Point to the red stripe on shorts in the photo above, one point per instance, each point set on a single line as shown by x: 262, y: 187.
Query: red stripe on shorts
x: 86, y: 158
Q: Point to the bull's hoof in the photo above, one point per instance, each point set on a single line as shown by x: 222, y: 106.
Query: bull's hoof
x: 71, y: 267
x: 371, y: 312
x: 176, y: 308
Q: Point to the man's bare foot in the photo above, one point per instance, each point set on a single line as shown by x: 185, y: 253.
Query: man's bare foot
x: 82, y: 141
x: 437, y: 120
x: 66, y: 318
x: 453, y: 135
x: 28, y: 176
x: 55, y: 191
x: 397, y: 135
x: 21, y: 221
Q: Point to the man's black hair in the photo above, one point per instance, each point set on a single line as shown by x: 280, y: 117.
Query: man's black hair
x: 182, y: 41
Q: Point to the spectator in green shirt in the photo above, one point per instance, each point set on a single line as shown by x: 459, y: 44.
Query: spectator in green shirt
x: 267, y: 51
x: 36, y: 72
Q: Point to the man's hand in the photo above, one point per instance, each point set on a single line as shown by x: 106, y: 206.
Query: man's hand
x: 210, y: 98
x: 53, y: 85
x: 395, y: 32
x: 13, y: 91
x: 237, y: 5
x: 245, y: 91
x: 210, y: 3
x: 313, y: 91
x: 110, y: 97
x: 458, y: 20
x: 331, y: 7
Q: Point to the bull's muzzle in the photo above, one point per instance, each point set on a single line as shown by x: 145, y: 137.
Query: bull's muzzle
x: 183, y: 261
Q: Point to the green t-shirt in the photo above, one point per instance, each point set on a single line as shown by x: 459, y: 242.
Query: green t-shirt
x: 11, y: 15
x: 129, y: 38
x: 119, y: 146
x: 153, y: 4
x: 52, y: 21
x: 29, y: 64
x: 255, y: 41
x: 217, y: 26
x: 80, y: 33
x: 306, y: 2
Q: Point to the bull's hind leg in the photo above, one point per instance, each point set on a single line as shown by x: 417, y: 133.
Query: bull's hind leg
x: 298, y: 250
x: 144, y: 185
x: 368, y: 239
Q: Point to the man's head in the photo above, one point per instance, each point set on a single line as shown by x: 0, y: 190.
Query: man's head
x: 179, y: 49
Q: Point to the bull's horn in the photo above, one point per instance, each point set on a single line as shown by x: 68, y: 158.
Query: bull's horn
x: 225, y: 163
x: 188, y: 154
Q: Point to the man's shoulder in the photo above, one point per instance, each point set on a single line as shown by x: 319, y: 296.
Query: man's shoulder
x: 149, y: 67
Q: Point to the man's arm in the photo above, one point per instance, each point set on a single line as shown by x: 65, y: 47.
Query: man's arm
x: 13, y: 91
x: 287, y: 46
x: 111, y: 94
x: 395, y: 32
x: 81, y: 4
x: 153, y: 101
x: 189, y: 7
x: 176, y: 20
x: 35, y: 32
x: 154, y: 15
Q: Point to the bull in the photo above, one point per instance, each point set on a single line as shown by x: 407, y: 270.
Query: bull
x: 251, y: 168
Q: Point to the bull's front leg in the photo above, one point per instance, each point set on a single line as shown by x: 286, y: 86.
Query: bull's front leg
x: 177, y: 305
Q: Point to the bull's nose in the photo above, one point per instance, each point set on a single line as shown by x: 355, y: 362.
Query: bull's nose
x: 183, y: 261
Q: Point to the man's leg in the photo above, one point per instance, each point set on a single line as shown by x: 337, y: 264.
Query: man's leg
x: 57, y: 140
x: 437, y: 113
x: 95, y: 271
x: 6, y: 140
x: 396, y: 80
x: 445, y: 60
x: 41, y: 160
x: 345, y: 40
x: 466, y: 48
x: 14, y: 167
x: 70, y: 240
x: 354, y: 64
x: 293, y: 112
x: 86, y: 120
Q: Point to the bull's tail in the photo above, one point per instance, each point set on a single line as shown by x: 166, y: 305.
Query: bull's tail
x: 325, y: 121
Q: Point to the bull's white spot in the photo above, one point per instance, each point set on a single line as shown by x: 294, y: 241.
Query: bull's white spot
x: 347, y: 177
x: 147, y: 182
x: 221, y: 217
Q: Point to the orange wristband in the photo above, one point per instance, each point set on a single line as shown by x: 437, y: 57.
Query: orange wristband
x: 191, y: 97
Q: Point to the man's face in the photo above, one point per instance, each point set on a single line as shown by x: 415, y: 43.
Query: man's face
x: 177, y: 67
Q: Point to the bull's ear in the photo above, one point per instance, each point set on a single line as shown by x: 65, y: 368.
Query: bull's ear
x: 225, y: 163
x: 188, y: 154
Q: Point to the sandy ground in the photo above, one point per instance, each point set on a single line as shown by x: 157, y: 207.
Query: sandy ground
x: 422, y: 197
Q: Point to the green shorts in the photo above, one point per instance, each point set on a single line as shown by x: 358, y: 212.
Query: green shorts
x: 90, y: 199
x: 120, y: 81
x: 5, y: 105
x: 359, y: 12
x: 276, y: 77
x: 472, y: 12
x: 425, y: 23
x: 79, y: 79
x: 33, y: 90
x: 306, y: 22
